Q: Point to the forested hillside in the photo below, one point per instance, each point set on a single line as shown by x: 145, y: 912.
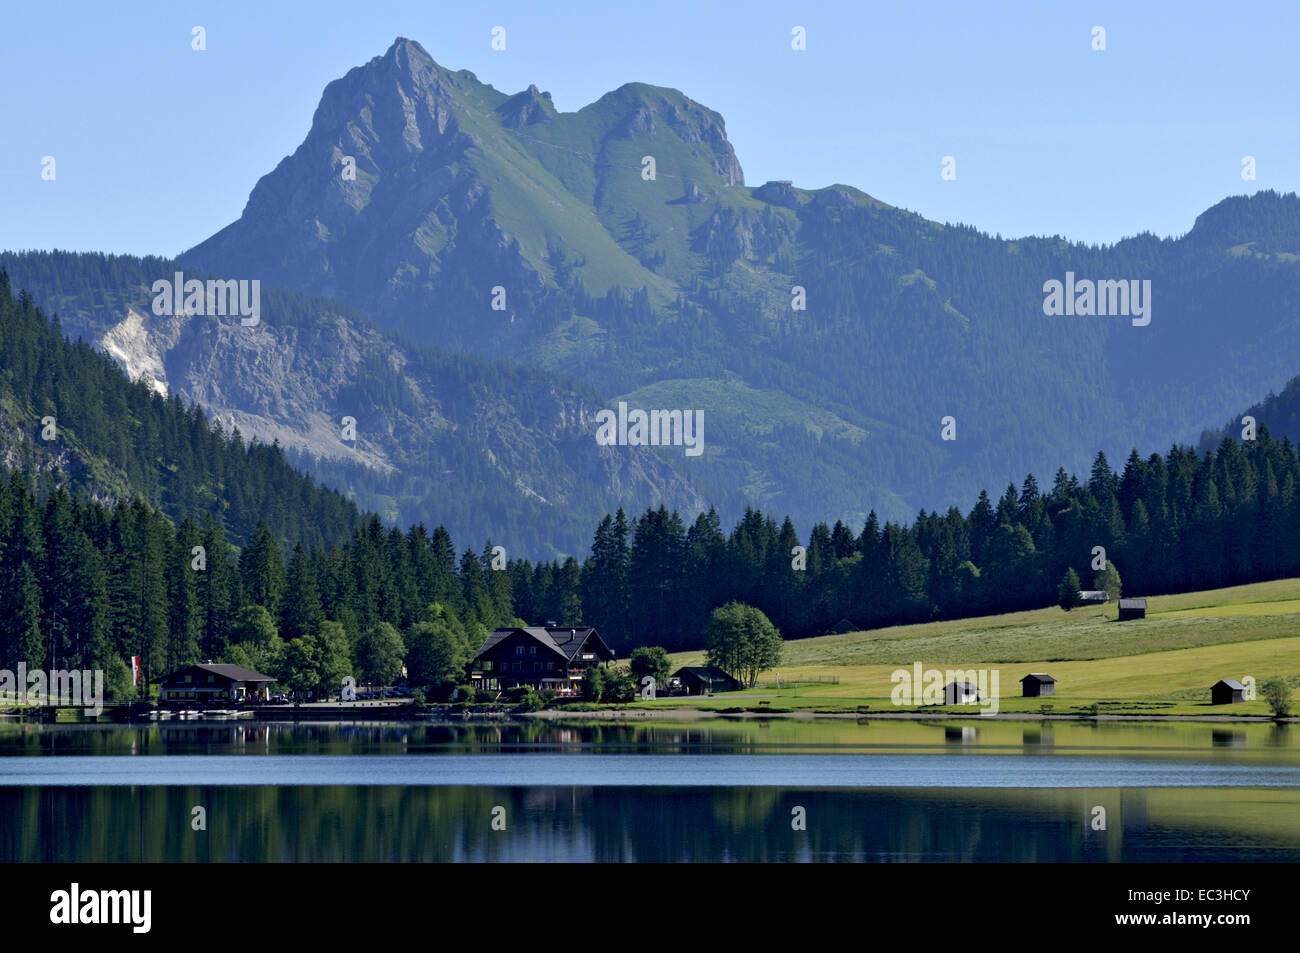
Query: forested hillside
x: 1281, y: 413
x: 482, y: 446
x: 69, y: 417
x: 1168, y: 524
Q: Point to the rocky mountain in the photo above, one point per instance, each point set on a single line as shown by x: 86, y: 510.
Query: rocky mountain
x: 484, y: 448
x: 825, y: 334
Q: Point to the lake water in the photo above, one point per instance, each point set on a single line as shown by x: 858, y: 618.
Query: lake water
x: 719, y: 790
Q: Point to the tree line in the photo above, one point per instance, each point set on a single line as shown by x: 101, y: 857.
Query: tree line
x: 87, y: 584
x: 1167, y: 524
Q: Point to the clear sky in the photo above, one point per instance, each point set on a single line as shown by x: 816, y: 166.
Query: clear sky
x: 157, y: 146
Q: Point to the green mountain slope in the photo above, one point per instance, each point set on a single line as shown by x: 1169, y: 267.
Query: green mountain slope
x: 623, y: 281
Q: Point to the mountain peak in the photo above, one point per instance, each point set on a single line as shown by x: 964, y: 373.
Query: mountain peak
x: 403, y: 52
x: 530, y: 106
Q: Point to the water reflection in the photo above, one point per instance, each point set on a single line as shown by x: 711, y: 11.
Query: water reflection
x: 421, y: 824
x: 1261, y: 743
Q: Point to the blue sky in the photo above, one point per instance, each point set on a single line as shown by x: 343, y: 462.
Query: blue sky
x: 157, y: 146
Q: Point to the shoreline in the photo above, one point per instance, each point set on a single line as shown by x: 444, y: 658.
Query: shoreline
x: 697, y: 714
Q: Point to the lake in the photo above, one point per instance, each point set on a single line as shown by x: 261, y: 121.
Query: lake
x: 719, y: 790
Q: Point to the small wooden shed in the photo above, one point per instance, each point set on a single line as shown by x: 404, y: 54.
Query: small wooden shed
x: 1132, y: 609
x: 1227, y: 691
x: 704, y: 680
x: 1036, y: 685
x: 961, y: 693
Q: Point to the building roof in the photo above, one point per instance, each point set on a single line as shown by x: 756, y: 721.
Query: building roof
x: 966, y: 686
x: 564, y: 641
x: 1038, y: 677
x: 1232, y: 683
x: 1132, y: 603
x: 234, y: 673
x: 705, y: 673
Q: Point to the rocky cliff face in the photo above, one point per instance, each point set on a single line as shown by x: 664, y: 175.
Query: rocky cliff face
x: 485, y: 449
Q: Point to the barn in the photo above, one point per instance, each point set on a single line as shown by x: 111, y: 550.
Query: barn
x: 1037, y: 685
x: 703, y: 680
x: 1227, y: 691
x: 1132, y: 609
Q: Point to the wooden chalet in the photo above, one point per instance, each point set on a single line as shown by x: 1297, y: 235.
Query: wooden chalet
x: 214, y: 683
x: 554, y: 657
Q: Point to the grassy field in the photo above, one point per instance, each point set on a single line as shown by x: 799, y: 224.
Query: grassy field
x: 1161, y: 665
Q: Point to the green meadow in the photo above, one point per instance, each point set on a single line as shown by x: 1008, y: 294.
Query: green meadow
x: 1161, y: 665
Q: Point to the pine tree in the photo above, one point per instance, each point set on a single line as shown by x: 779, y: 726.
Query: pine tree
x: 1067, y: 593
x: 261, y: 565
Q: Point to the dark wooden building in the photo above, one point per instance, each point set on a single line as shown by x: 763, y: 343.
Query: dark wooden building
x: 209, y: 683
x: 1227, y: 691
x: 1037, y: 685
x: 554, y: 657
x: 703, y: 681
x: 1132, y: 609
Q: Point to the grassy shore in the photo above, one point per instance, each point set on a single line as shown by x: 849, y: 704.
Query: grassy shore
x: 1161, y: 665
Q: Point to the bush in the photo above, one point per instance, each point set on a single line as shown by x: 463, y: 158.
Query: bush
x: 620, y: 688
x: 1278, y: 695
x: 532, y: 701
x: 418, y: 699
x: 484, y: 696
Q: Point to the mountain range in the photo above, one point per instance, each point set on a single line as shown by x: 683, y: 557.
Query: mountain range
x: 472, y: 275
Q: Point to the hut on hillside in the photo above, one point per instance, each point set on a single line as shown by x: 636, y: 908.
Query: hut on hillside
x: 1132, y: 609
